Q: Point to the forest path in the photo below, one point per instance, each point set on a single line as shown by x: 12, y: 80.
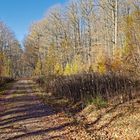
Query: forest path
x: 24, y: 117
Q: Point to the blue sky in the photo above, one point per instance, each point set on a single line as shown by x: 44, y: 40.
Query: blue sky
x: 19, y: 14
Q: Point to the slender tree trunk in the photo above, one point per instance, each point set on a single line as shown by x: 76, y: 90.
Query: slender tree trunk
x: 116, y: 25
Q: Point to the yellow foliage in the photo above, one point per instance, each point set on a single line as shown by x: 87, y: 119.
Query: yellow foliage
x: 65, y: 44
x: 6, y: 70
x: 101, y: 68
x: 67, y: 70
x: 4, y: 65
x: 100, y: 62
x: 131, y: 57
x: 116, y: 64
x: 38, y: 68
x: 52, y: 61
x: 1, y: 64
x: 75, y: 66
x: 58, y: 70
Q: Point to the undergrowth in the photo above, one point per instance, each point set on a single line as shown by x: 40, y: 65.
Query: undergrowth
x: 98, y: 102
x: 92, y: 87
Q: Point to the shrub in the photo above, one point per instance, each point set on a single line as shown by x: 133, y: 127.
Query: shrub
x: 98, y: 101
x: 79, y: 87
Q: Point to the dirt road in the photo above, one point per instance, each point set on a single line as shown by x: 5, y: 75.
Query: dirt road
x: 24, y: 117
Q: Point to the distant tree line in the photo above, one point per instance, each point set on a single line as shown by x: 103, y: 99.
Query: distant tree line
x: 10, y: 53
x: 100, y: 36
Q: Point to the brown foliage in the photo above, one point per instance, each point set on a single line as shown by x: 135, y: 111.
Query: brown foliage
x: 85, y: 86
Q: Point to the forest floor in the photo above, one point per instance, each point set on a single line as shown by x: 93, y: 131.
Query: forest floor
x: 24, y: 116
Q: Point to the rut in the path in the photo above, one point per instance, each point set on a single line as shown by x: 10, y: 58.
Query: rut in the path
x: 23, y: 116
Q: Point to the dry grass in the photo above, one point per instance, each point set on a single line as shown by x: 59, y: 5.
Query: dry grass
x: 83, y: 87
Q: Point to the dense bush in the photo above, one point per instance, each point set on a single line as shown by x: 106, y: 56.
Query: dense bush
x: 84, y: 86
x: 4, y: 80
